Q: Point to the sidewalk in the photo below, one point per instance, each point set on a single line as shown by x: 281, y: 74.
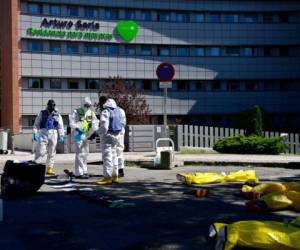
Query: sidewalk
x: 139, y: 158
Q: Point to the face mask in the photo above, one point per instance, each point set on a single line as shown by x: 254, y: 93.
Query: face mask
x: 51, y: 107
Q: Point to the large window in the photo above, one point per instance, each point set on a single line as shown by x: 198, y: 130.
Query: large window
x: 199, y: 51
x: 54, y: 10
x: 55, y: 83
x: 268, y: 18
x: 216, y: 85
x: 73, y: 84
x: 146, y: 50
x: 232, y: 51
x: 200, y: 85
x: 35, y: 46
x: 233, y: 85
x: 130, y: 50
x: 248, y: 51
x: 34, y: 8
x: 111, y: 14
x: 92, y: 84
x: 199, y: 17
x: 129, y: 14
x: 146, y: 15
x: 55, y: 47
x: 214, y: 18
x: 182, y: 51
x: 182, y: 85
x: 73, y: 11
x: 92, y: 49
x: 252, y: 85
x: 90, y: 12
x: 164, y: 16
x: 250, y: 18
x: 214, y: 51
x: 164, y: 51
x: 112, y: 49
x: 72, y: 48
x: 231, y: 18
x: 35, y: 83
x: 182, y: 17
x: 147, y: 84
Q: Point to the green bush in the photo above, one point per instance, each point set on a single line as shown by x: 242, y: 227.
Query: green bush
x: 251, y: 121
x: 251, y: 145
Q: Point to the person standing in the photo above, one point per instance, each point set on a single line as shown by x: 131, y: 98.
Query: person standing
x: 110, y: 128
x: 84, y: 124
x: 48, y: 127
x: 121, y: 146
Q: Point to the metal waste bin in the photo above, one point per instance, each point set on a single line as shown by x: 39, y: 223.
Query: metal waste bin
x: 3, y: 141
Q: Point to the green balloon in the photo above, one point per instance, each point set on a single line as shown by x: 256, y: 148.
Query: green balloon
x: 127, y: 30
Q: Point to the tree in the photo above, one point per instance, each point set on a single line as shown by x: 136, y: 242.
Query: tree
x: 128, y: 98
x: 251, y: 121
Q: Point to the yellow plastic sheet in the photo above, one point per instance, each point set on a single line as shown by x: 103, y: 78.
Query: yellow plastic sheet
x: 258, y: 234
x: 276, y: 201
x: 210, y: 177
x: 294, y: 196
x: 264, y: 188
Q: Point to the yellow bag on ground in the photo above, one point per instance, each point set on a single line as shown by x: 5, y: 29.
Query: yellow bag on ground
x: 209, y: 177
x: 293, y: 185
x: 200, y: 178
x: 294, y: 196
x: 264, y: 188
x: 276, y: 201
x: 270, y: 235
x: 242, y: 176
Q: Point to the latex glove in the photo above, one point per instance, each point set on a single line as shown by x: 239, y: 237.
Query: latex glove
x: 79, y: 131
x: 35, y: 136
x: 61, y: 139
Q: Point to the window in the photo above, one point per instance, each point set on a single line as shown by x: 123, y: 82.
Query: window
x: 54, y: 10
x: 284, y: 51
x: 182, y: 51
x: 268, y: 51
x: 199, y: 51
x: 111, y: 14
x: 233, y: 85
x: 164, y: 16
x: 91, y: 12
x: 216, y: 85
x: 147, y: 84
x: 112, y: 49
x: 164, y: 51
x: 55, y: 47
x: 252, y: 85
x: 73, y: 84
x: 35, y: 83
x: 72, y: 48
x: 182, y: 85
x: 214, y: 18
x: 250, y: 18
x: 231, y: 18
x: 283, y: 17
x: 269, y: 85
x: 146, y: 50
x: 92, y: 84
x: 248, y: 51
x: 200, y: 85
x: 129, y: 14
x: 268, y: 18
x: 146, y: 15
x: 92, y: 49
x: 232, y: 51
x: 182, y: 17
x: 214, y: 51
x: 73, y: 11
x: 199, y: 17
x: 129, y: 50
x: 55, y: 84
x: 35, y: 46
x: 34, y: 8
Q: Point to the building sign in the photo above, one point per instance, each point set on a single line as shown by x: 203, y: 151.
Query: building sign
x: 68, y: 29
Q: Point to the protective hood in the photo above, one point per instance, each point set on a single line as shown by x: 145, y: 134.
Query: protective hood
x: 86, y: 101
x: 110, y: 103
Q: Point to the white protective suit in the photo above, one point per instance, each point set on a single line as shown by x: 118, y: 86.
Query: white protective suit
x: 109, y: 141
x: 82, y: 147
x: 47, y: 137
x: 121, y: 146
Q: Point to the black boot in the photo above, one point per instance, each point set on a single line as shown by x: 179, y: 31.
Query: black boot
x: 121, y: 172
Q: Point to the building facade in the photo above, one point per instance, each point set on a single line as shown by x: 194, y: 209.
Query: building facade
x: 228, y: 56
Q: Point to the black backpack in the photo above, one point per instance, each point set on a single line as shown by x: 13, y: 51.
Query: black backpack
x: 21, y: 179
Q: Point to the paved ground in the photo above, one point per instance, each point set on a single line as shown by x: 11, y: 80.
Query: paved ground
x: 163, y: 218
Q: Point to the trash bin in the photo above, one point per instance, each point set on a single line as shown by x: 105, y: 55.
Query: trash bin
x: 3, y: 141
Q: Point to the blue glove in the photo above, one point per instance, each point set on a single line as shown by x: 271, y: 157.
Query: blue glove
x: 79, y: 131
x: 35, y: 136
x: 61, y: 139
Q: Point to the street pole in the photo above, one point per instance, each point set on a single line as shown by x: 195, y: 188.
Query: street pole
x: 165, y: 109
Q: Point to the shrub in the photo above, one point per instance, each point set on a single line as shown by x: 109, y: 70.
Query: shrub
x: 251, y: 145
x: 251, y: 121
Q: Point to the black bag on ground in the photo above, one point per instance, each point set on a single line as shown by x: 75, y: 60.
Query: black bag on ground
x: 21, y: 179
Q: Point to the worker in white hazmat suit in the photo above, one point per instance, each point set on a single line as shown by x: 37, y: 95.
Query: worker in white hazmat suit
x: 48, y: 127
x: 110, y: 128
x: 121, y: 146
x: 84, y: 124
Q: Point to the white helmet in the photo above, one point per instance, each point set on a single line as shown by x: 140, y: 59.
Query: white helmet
x: 87, y: 101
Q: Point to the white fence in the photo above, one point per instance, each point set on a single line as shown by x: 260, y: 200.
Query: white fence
x: 205, y: 137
